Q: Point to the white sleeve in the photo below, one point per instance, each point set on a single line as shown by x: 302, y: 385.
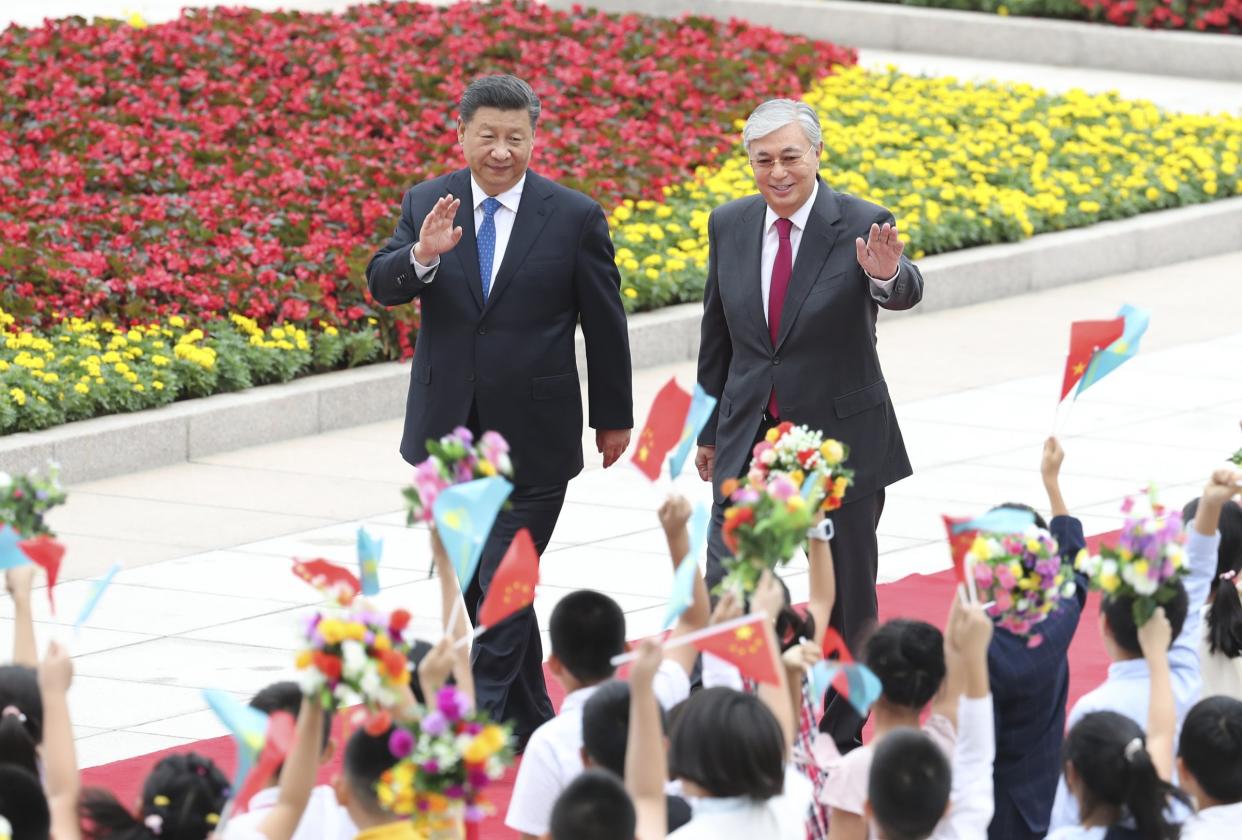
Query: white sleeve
x: 423, y: 272
x: 671, y: 684
x: 535, y: 790
x: 720, y: 674
x: 971, y: 802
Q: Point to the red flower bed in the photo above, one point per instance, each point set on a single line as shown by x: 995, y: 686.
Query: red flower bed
x: 1223, y: 16
x: 240, y: 161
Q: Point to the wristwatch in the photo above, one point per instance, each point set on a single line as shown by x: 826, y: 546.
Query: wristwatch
x: 823, y: 532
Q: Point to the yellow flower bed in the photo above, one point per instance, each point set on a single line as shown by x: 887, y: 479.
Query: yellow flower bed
x: 959, y: 164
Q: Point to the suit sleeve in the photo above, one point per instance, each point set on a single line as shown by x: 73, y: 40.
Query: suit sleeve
x: 597, y: 286
x: 715, y: 347
x: 390, y: 273
x: 907, y: 289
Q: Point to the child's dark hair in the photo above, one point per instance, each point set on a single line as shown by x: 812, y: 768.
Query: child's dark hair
x: 908, y: 657
x: 729, y: 744
x: 23, y: 804
x: 286, y: 696
x: 1109, y: 753
x: 1040, y: 522
x: 1224, y: 618
x: 909, y: 785
x: 21, y: 717
x: 182, y: 799
x: 606, y: 725
x: 1211, y: 747
x: 792, y: 626
x: 587, y: 631
x: 366, y: 759
x: 594, y: 806
x: 1119, y: 615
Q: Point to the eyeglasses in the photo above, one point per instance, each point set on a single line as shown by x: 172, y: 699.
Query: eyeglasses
x: 787, y: 161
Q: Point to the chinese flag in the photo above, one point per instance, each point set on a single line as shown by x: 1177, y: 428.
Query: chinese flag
x: 513, y: 586
x: 834, y: 644
x: 1087, y: 337
x: 326, y: 577
x: 750, y: 647
x: 663, y: 430
x: 959, y: 544
x: 45, y: 552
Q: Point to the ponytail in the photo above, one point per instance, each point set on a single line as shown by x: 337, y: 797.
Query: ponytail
x: 1224, y: 618
x: 1147, y: 795
x: 792, y: 627
x: 21, y: 717
x: 181, y: 800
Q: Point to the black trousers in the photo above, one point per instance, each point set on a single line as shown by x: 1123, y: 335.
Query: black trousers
x: 855, y: 553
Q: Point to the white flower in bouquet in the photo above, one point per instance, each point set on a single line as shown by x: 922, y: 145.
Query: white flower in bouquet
x: 371, y: 683
x: 354, y: 660
x: 311, y: 681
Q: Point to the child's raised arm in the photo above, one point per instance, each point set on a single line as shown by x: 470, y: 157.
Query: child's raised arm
x: 823, y: 582
x: 1154, y: 638
x: 770, y: 598
x: 297, y: 777
x: 451, y: 604
x: 20, y: 581
x: 674, y: 516
x: 60, y: 761
x: 1050, y: 471
x: 645, y: 767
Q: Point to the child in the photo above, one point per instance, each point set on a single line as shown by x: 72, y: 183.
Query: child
x: 1126, y: 690
x: 324, y: 818
x: 182, y: 799
x: 909, y: 659
x: 23, y: 806
x: 1119, y: 779
x: 1030, y: 687
x: 1220, y: 648
x: 1209, y: 764
x: 594, y: 806
x: 912, y: 793
x: 366, y: 759
x: 21, y: 717
x: 587, y: 630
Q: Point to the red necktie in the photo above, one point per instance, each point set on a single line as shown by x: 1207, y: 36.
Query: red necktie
x: 782, y: 268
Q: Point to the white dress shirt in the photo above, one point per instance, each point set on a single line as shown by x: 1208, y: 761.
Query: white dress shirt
x: 772, y: 240
x: 1218, y: 823
x: 504, y: 218
x: 323, y: 819
x: 971, y: 802
x: 782, y: 817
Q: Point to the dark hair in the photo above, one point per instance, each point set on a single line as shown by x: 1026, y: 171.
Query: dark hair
x: 182, y: 799
x: 1224, y: 618
x: 21, y: 717
x: 908, y: 657
x: 791, y: 625
x: 594, y: 806
x: 729, y: 744
x: 23, y: 804
x: 286, y: 696
x: 1119, y: 615
x: 1040, y: 522
x: 587, y: 630
x: 1109, y: 753
x: 909, y: 784
x: 505, y: 93
x: 1211, y: 747
x: 606, y: 725
x: 366, y: 758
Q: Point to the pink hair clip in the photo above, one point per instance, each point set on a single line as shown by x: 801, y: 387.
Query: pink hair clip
x: 1229, y: 575
x: 13, y: 711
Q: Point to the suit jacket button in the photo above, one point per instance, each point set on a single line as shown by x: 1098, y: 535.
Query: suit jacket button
x: 776, y: 360
x: 482, y: 330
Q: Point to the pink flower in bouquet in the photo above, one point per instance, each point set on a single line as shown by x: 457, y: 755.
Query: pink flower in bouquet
x: 1004, y: 601
x: 495, y: 449
x: 465, y: 435
x: 782, y: 489
x: 1005, y: 577
x: 983, y: 575
x: 428, y: 482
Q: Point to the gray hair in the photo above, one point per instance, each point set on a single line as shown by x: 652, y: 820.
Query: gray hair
x: 775, y: 114
x: 505, y: 93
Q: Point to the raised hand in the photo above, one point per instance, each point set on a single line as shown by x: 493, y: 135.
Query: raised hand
x: 674, y: 514
x: 1053, y: 457
x: 438, y: 234
x: 880, y: 255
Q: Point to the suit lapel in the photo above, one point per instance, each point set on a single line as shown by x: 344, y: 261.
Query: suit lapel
x: 534, y: 209
x: 750, y: 248
x: 817, y: 240
x: 467, y: 250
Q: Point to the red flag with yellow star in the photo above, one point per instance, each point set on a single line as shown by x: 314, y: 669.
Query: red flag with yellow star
x: 748, y: 645
x: 513, y: 586
x: 663, y: 430
x: 959, y: 543
x: 1086, y: 339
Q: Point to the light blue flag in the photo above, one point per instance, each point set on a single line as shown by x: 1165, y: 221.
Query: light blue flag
x: 92, y: 600
x: 1110, y: 358
x: 11, y: 555
x: 862, y: 686
x: 247, y: 725
x: 687, y: 572
x: 999, y: 521
x: 702, y: 405
x: 369, y: 552
x: 464, y: 516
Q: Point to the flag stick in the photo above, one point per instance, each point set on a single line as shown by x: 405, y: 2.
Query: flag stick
x: 450, y: 626
x: 465, y: 640
x: 690, y: 638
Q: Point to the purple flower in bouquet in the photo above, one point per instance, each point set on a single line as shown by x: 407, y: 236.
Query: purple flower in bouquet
x: 451, y: 703
x: 400, y: 743
x: 455, y: 792
x: 464, y: 435
x: 477, y: 778
x: 431, y: 766
x: 474, y: 813
x: 434, y: 723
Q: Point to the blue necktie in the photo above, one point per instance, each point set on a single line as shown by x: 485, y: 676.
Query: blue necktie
x: 487, y: 243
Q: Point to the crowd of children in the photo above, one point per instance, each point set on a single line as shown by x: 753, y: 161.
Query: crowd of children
x: 971, y: 737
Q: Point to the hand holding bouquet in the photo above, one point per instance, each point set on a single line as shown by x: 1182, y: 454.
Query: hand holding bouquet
x: 1024, y: 578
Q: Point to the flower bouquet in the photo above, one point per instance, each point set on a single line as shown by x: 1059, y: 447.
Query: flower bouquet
x: 454, y: 459
x: 764, y: 525
x: 25, y: 499
x: 1024, y: 578
x: 803, y: 455
x: 1146, y: 563
x: 445, y: 760
x: 359, y: 655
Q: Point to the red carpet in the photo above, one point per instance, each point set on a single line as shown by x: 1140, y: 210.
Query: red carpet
x: 917, y: 596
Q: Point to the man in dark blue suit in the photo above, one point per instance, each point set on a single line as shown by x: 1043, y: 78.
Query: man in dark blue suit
x: 1030, y: 687
x: 506, y: 264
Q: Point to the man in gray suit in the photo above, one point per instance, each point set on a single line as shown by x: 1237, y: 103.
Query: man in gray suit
x: 788, y: 333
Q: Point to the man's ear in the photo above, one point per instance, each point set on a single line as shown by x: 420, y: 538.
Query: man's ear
x: 1106, y: 632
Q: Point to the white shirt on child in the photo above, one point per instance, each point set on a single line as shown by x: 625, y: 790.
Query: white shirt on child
x: 1218, y: 823
x: 323, y: 819
x: 1079, y: 832
x: 742, y: 818
x: 553, y: 756
x: 1221, y: 675
x: 1127, y: 690
x: 971, y: 801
